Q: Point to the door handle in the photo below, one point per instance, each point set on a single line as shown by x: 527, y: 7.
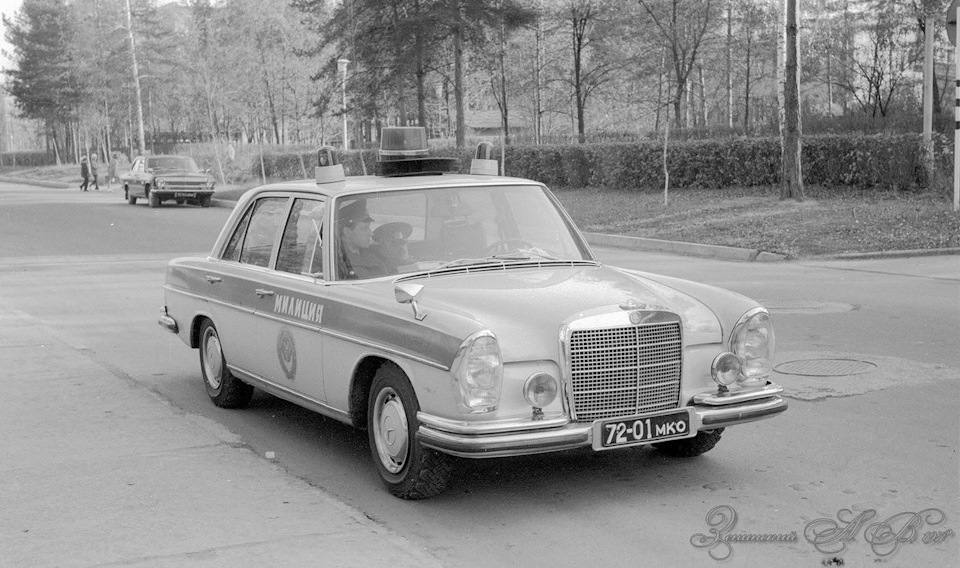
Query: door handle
x: 261, y: 292
x: 212, y: 279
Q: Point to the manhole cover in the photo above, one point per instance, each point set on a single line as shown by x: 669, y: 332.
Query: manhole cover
x: 825, y: 367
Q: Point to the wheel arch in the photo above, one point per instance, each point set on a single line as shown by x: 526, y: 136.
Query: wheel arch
x: 360, y: 384
x: 195, y: 326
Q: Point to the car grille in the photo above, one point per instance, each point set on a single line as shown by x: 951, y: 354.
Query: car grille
x: 185, y: 185
x: 624, y: 371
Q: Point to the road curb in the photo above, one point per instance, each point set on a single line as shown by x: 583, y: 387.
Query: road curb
x: 680, y: 247
x: 885, y: 254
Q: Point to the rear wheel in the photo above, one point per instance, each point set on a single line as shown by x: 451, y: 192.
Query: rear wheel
x: 225, y: 390
x: 205, y: 201
x: 131, y: 199
x: 702, y: 443
x: 409, y: 470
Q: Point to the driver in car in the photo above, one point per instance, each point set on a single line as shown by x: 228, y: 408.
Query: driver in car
x: 390, y: 244
x: 356, y: 258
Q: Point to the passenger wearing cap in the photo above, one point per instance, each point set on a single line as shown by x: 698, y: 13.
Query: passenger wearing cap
x: 357, y: 260
x: 390, y: 244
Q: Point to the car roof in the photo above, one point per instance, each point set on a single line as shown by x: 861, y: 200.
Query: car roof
x: 368, y: 183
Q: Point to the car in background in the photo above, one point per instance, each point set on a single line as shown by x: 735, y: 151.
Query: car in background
x: 167, y: 178
x: 461, y: 315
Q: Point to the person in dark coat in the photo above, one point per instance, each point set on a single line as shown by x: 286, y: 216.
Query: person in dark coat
x: 93, y: 172
x: 84, y: 173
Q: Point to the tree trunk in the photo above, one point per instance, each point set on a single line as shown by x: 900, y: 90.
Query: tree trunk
x: 791, y: 185
x: 577, y: 87
x: 746, y: 90
x: 537, y: 104
x: 730, y: 64
x: 502, y: 56
x: 458, y: 76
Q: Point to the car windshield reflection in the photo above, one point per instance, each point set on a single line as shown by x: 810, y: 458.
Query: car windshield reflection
x: 402, y: 232
x: 169, y: 163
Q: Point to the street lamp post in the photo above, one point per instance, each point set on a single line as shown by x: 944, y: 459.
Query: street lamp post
x: 342, y: 66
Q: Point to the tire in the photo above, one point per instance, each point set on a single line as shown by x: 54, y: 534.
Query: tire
x: 409, y: 470
x: 225, y: 390
x: 131, y: 199
x: 153, y: 199
x: 205, y: 201
x: 703, y: 442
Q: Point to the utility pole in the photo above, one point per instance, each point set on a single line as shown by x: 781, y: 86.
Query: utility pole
x: 136, y: 80
x: 342, y: 64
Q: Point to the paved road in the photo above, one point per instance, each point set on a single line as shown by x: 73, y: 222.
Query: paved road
x: 879, y: 443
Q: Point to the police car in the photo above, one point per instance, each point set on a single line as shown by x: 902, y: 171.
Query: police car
x: 461, y: 315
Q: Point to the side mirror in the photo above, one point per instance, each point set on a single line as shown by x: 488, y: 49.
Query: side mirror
x: 407, y: 293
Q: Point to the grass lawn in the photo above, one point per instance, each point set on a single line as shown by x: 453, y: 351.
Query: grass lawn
x: 828, y: 221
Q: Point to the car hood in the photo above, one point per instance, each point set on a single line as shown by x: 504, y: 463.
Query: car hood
x: 523, y: 305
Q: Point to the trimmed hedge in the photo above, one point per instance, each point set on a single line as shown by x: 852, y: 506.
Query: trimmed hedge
x: 887, y: 161
x: 891, y: 161
x: 27, y: 159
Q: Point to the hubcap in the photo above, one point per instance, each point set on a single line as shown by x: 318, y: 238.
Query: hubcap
x: 212, y: 359
x: 390, y: 430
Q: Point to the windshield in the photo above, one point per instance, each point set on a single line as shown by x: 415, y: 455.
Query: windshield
x: 172, y: 163
x: 408, y: 231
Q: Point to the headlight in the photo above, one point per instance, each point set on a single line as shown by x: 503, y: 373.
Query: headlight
x: 753, y: 342
x: 726, y: 369
x: 540, y: 389
x: 210, y: 183
x: 161, y: 183
x: 478, y: 370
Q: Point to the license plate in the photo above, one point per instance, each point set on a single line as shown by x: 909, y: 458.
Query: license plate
x: 642, y: 429
x: 186, y: 194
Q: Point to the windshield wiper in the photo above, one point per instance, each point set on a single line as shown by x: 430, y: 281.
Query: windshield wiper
x: 518, y: 256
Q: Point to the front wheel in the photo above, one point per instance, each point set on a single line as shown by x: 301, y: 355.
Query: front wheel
x: 153, y: 199
x: 225, y: 390
x: 702, y: 443
x: 409, y: 470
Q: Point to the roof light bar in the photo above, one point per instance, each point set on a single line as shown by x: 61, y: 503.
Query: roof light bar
x: 404, y: 152
x: 483, y: 164
x: 328, y: 170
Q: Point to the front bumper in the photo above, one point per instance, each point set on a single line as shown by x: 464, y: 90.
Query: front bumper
x: 168, y: 322
x: 460, y: 439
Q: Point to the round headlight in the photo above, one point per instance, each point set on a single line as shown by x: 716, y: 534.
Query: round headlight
x: 753, y: 341
x: 725, y: 368
x: 478, y: 370
x: 161, y: 183
x: 540, y: 389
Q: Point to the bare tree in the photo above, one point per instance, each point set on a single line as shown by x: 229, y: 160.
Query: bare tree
x: 683, y: 26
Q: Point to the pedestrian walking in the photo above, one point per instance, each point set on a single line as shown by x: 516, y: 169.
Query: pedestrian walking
x: 111, y: 170
x: 84, y: 173
x: 93, y: 172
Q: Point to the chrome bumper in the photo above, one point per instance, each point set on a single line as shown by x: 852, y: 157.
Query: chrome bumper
x: 555, y: 435
x: 168, y: 322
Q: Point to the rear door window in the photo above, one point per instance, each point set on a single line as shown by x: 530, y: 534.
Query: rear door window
x: 255, y: 236
x: 301, y: 246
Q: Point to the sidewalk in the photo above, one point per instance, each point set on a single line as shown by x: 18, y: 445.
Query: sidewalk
x: 99, y: 471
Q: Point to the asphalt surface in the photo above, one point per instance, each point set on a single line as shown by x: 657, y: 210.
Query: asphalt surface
x: 112, y: 459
